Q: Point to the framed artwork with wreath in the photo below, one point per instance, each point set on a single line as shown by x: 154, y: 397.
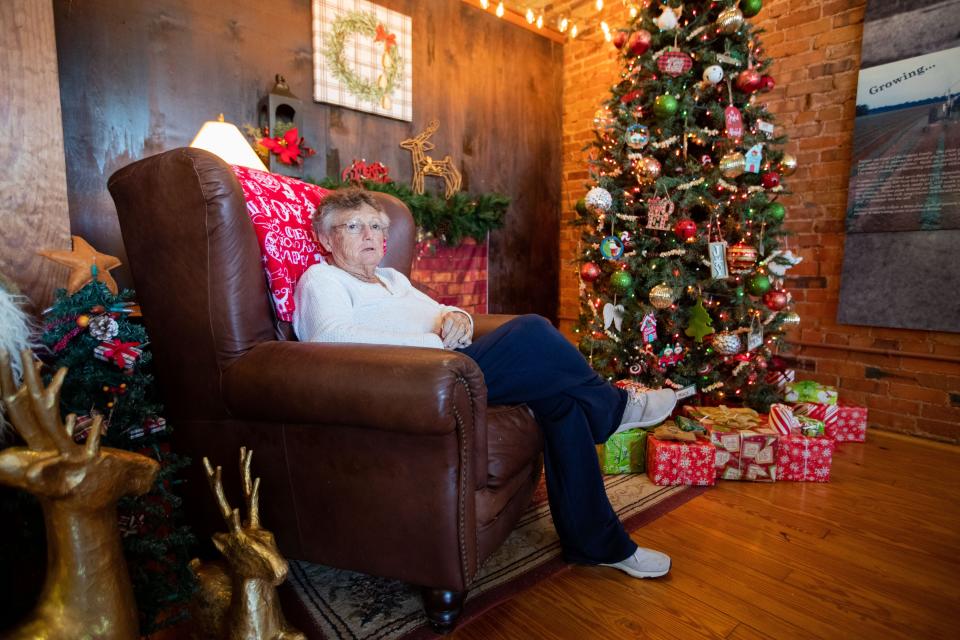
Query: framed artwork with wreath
x: 363, y: 57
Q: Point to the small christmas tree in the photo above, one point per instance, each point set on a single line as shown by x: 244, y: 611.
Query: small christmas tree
x: 682, y: 225
x: 92, y: 332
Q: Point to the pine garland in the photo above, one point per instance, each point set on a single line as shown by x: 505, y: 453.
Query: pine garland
x: 462, y: 216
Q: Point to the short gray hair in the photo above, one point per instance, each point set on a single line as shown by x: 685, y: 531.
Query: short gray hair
x: 347, y: 199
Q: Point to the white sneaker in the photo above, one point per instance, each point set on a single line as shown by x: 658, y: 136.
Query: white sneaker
x: 647, y: 408
x: 644, y: 563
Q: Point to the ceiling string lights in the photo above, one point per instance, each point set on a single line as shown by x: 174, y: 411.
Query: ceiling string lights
x: 572, y: 20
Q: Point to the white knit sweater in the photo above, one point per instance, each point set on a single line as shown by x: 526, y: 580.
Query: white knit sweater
x: 333, y: 306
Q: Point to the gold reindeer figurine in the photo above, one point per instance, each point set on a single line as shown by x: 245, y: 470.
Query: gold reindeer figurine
x: 87, y: 593
x: 424, y: 165
x: 239, y: 601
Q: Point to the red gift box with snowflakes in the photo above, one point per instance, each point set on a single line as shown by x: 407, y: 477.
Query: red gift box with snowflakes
x: 805, y: 459
x: 670, y: 462
x: 841, y: 422
x: 850, y: 424
x: 746, y: 454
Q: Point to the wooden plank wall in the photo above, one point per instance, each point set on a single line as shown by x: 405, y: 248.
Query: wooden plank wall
x: 140, y: 78
x: 33, y: 192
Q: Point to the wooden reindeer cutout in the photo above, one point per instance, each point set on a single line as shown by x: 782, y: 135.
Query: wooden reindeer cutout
x: 239, y: 601
x: 87, y: 593
x: 424, y: 165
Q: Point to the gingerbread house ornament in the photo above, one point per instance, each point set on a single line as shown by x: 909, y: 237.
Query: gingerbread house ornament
x: 754, y: 158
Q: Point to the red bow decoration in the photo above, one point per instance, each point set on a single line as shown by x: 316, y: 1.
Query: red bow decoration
x: 116, y: 350
x: 360, y: 171
x: 389, y: 39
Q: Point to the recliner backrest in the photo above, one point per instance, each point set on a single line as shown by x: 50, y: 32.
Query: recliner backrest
x: 196, y: 267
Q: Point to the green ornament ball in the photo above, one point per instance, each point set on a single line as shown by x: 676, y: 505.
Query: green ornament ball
x: 621, y: 280
x: 759, y: 284
x: 750, y: 8
x: 665, y: 106
x: 581, y: 207
x: 776, y: 212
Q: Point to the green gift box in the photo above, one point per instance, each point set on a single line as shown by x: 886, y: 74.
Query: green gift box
x: 810, y: 391
x: 624, y: 452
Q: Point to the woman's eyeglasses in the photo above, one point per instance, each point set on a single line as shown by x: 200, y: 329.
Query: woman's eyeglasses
x: 355, y: 227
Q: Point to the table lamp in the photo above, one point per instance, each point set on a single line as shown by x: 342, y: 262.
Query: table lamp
x: 224, y: 140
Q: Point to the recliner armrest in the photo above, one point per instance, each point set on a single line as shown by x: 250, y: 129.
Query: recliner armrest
x: 390, y: 388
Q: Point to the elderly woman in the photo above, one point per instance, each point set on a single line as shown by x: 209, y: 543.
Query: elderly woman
x: 526, y: 360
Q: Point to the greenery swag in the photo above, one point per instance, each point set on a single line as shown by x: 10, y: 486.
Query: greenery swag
x: 450, y: 221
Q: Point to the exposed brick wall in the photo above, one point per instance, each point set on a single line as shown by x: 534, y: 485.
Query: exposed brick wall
x: 816, y: 51
x: 454, y: 275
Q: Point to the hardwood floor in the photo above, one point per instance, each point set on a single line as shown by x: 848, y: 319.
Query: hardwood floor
x: 873, y: 554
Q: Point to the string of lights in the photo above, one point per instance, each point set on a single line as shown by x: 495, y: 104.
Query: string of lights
x: 561, y: 21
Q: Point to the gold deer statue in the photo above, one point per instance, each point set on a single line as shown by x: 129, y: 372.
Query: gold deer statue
x: 424, y: 165
x: 239, y: 601
x: 87, y: 593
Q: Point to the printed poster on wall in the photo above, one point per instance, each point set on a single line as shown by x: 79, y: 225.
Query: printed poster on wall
x: 363, y: 57
x: 903, y: 205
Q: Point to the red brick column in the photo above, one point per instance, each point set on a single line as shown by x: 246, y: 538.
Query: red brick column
x: 454, y: 275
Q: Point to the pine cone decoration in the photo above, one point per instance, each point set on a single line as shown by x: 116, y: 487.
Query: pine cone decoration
x: 727, y: 343
x: 104, y: 327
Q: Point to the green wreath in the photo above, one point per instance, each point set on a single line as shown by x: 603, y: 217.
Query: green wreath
x: 357, y: 23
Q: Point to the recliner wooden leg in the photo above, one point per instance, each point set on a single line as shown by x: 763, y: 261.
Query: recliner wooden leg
x: 442, y: 607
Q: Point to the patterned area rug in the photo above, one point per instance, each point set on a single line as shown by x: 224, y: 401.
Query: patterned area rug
x: 333, y: 604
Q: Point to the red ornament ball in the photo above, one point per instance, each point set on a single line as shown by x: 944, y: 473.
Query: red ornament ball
x: 767, y: 83
x: 770, y: 179
x: 775, y: 299
x: 749, y: 80
x: 639, y: 42
x: 741, y: 256
x: 589, y: 271
x: 777, y: 364
x: 685, y: 229
x: 620, y: 39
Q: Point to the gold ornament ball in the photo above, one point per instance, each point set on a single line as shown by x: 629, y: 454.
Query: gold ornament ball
x: 661, y: 296
x: 650, y: 167
x: 791, y: 319
x: 788, y: 164
x: 732, y: 164
x: 83, y: 320
x: 730, y: 20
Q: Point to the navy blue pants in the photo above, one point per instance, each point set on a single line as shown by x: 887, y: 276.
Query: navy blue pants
x: 527, y: 361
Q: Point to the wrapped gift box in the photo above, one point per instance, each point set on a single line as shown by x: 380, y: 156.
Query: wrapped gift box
x: 624, y: 452
x: 745, y: 454
x: 670, y: 462
x: 825, y: 413
x: 810, y: 391
x: 726, y: 418
x: 849, y: 424
x: 780, y: 379
x: 804, y: 459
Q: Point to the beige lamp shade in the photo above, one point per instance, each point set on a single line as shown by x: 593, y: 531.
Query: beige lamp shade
x: 225, y: 140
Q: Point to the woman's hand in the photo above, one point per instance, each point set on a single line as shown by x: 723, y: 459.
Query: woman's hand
x: 455, y: 330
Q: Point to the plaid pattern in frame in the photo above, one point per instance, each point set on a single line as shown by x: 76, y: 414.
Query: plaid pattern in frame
x: 364, y: 58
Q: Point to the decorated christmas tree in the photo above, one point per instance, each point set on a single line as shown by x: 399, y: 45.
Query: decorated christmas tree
x: 682, y: 260
x: 95, y: 334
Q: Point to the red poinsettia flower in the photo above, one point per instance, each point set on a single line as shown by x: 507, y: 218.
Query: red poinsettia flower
x: 389, y: 39
x: 287, y: 147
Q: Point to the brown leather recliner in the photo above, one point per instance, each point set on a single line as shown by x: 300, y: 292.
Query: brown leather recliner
x: 380, y: 459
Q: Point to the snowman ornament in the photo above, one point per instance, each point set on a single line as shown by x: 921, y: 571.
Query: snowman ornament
x: 669, y: 18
